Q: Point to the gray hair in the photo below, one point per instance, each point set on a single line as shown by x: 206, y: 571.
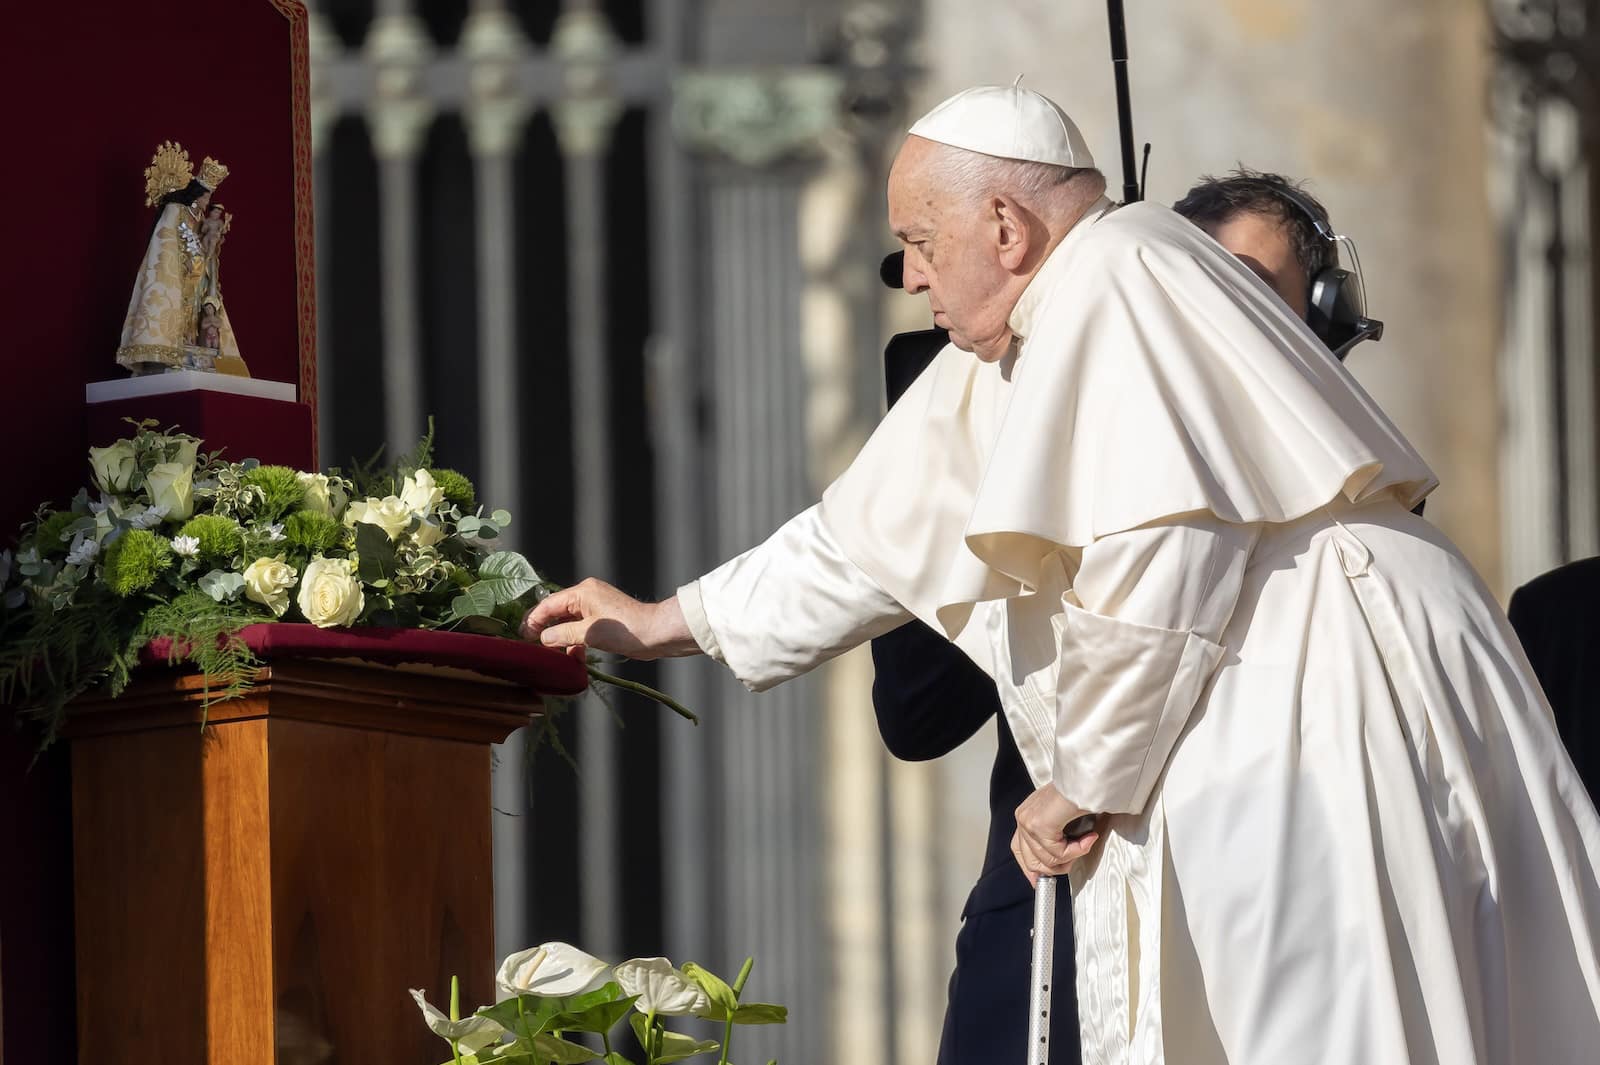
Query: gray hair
x: 973, y: 175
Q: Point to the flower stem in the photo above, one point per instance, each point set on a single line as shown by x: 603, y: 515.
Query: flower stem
x: 645, y: 690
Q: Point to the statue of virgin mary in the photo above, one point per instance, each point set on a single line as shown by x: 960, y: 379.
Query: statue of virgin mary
x: 176, y: 317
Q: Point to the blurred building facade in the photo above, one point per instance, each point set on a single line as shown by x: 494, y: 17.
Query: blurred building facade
x: 624, y: 253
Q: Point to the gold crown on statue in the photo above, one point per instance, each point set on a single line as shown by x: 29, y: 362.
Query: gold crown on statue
x: 169, y: 171
x: 212, y: 173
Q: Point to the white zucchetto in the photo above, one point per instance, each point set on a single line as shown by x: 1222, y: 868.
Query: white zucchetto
x: 1009, y: 122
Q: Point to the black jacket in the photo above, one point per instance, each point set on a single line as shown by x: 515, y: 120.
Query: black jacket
x: 1557, y: 617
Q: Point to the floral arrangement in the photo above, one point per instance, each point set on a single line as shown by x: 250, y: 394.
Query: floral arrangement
x: 177, y: 543
x: 550, y: 992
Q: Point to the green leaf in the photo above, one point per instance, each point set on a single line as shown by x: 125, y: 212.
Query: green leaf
x: 469, y: 525
x: 501, y: 518
x: 760, y: 1013
x: 222, y: 585
x: 676, y: 1047
x: 376, y: 552
x: 555, y: 1049
x: 716, y: 989
x: 508, y: 575
x: 600, y: 1017
x: 478, y: 601
x: 524, y: 1017
x: 614, y: 1058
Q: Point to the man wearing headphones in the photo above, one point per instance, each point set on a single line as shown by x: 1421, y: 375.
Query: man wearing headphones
x: 930, y: 698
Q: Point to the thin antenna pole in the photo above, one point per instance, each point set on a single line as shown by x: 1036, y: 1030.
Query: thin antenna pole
x: 1119, y: 71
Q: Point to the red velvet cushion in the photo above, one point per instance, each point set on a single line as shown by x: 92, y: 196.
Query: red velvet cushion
x: 545, y: 671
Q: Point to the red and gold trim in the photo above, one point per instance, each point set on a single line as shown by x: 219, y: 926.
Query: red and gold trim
x: 305, y: 261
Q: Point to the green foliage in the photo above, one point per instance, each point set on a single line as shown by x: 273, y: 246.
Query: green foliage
x: 220, y: 538
x: 312, y: 533
x: 458, y: 490
x: 50, y: 657
x: 204, y: 633
x: 281, y: 491
x: 135, y: 561
x: 47, y: 536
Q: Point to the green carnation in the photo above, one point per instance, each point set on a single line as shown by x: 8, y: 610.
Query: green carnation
x: 134, y: 561
x: 219, y: 538
x: 312, y: 532
x: 457, y: 489
x: 48, y: 536
x: 282, y: 488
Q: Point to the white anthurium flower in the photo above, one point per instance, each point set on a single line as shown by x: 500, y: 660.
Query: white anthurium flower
x: 420, y: 494
x: 662, y: 989
x: 186, y: 546
x: 471, y: 1033
x: 551, y: 970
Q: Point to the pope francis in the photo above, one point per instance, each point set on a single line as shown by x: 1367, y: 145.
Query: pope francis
x: 1336, y: 824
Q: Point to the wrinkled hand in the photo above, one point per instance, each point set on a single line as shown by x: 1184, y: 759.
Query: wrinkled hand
x: 1040, y: 844
x: 594, y: 614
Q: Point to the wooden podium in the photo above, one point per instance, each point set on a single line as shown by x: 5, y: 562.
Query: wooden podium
x: 265, y: 890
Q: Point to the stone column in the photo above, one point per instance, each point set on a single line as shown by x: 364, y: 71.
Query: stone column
x: 398, y: 48
x: 584, y: 118
x: 493, y: 47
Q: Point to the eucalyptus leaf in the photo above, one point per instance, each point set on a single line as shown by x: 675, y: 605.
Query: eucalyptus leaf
x: 509, y: 575
x: 502, y: 518
x: 468, y: 526
x: 221, y: 585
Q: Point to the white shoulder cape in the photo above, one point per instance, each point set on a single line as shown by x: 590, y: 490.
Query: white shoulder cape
x: 1157, y: 376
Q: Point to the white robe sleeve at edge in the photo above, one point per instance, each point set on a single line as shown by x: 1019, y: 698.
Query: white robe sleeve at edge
x: 786, y: 606
x: 1137, y: 643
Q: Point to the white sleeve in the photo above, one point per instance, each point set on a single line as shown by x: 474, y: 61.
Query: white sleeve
x: 786, y: 606
x: 1137, y: 643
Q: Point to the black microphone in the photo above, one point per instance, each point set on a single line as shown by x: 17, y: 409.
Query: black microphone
x: 893, y: 270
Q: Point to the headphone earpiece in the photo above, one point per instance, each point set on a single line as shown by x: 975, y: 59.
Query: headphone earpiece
x: 1337, y: 313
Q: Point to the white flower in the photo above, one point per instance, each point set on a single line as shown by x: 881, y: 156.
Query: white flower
x: 420, y: 495
x: 428, y: 534
x: 149, y: 517
x: 267, y: 581
x: 84, y: 549
x: 389, y: 514
x: 98, y: 506
x: 329, y: 593
x: 472, y: 1033
x: 114, y: 466
x: 662, y: 990
x: 171, y: 485
x: 188, y: 450
x: 554, y: 970
x: 323, y: 496
x: 187, y: 546
x: 275, y: 533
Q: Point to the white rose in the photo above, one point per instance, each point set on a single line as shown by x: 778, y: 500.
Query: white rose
x: 188, y: 451
x: 390, y: 514
x: 323, y: 496
x: 267, y: 581
x: 553, y: 970
x: 661, y: 989
x: 170, y: 485
x: 330, y: 595
x: 428, y: 534
x: 114, y: 466
x: 420, y: 494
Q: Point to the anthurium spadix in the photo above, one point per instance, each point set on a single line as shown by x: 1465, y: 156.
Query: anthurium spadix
x: 550, y: 970
x: 661, y: 989
x: 471, y: 1034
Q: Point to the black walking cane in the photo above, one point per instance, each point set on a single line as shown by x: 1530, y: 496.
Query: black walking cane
x: 1044, y: 893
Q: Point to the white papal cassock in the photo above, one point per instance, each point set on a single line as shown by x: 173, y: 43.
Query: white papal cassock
x: 1177, y: 534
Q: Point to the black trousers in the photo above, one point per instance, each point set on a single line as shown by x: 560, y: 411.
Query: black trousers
x: 986, y: 1022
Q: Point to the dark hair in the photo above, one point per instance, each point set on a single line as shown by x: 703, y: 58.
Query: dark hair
x: 186, y: 195
x: 1215, y: 200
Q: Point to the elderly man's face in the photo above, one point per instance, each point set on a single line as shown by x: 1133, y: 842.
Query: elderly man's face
x: 1262, y: 241
x: 951, y: 254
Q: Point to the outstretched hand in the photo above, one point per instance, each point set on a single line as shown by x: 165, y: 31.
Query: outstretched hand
x: 1040, y: 844
x: 594, y: 614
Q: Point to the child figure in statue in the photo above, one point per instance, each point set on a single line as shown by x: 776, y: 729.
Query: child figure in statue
x: 177, y: 284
